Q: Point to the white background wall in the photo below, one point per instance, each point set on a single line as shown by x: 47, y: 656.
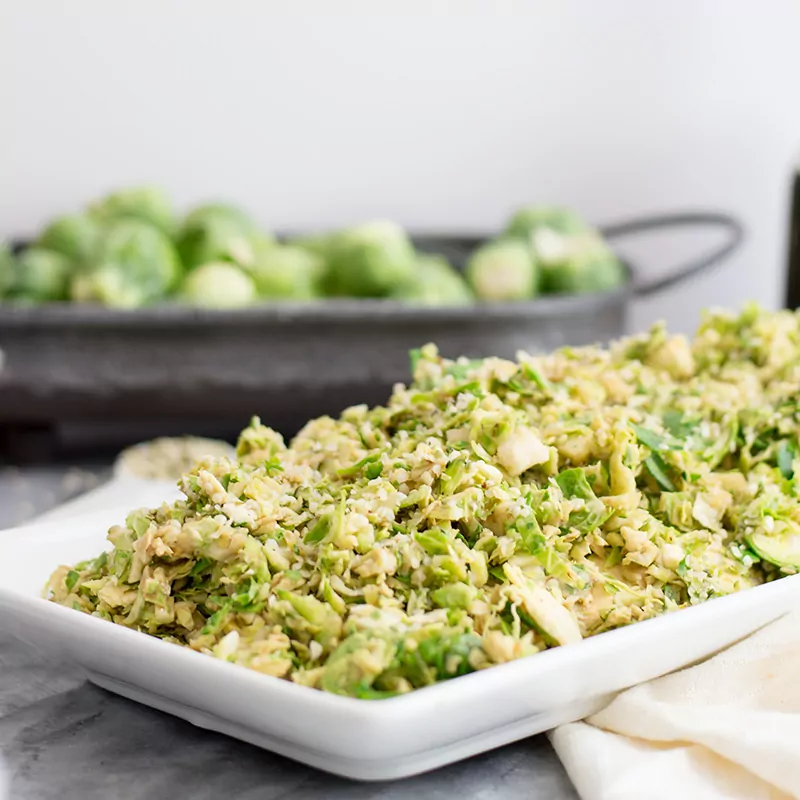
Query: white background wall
x: 442, y: 115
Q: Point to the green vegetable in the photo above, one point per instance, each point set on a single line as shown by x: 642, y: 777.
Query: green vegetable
x: 320, y: 530
x: 324, y: 622
x: 574, y: 484
x: 42, y: 275
x: 257, y: 443
x: 534, y: 375
x: 133, y: 264
x: 654, y: 463
x: 526, y: 221
x: 530, y: 534
x: 348, y: 673
x: 434, y: 541
x: 8, y: 269
x: 108, y: 285
x: 218, y: 285
x: 503, y: 270
x: 146, y: 203
x: 370, y: 260
x: 72, y: 579
x: 781, y: 547
x: 572, y: 256
x: 676, y: 507
x: 435, y: 283
x: 787, y: 453
x: 677, y: 424
x: 584, y: 268
x: 483, y: 514
x: 369, y: 460
x: 449, y: 653
x: 217, y: 620
x: 415, y: 356
x: 287, y: 273
x: 543, y: 249
x: 657, y: 467
x: 656, y: 442
x: 373, y: 471
x: 454, y: 595
x: 73, y: 235
x: 218, y: 232
x: 547, y: 615
x: 139, y: 521
x: 453, y: 475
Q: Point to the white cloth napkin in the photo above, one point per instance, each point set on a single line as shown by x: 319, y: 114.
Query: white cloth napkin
x: 726, y: 729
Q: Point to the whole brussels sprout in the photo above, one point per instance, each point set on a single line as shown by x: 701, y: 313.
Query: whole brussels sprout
x: 73, y: 235
x: 572, y: 256
x: 8, y: 269
x: 435, y: 284
x: 108, y: 285
x: 592, y: 267
x: 220, y: 233
x: 41, y: 275
x: 218, y: 285
x: 134, y: 263
x: 148, y: 203
x: 503, y: 269
x: 370, y: 260
x: 533, y: 218
x: 287, y: 273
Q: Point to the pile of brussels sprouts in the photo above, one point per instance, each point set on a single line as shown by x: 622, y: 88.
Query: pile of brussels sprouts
x: 544, y: 250
x: 129, y: 250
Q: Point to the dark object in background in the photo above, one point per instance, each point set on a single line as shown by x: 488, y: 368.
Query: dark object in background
x: 793, y: 271
x: 205, y: 372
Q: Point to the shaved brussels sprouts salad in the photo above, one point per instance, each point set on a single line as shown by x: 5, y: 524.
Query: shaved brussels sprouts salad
x: 130, y: 249
x: 491, y: 510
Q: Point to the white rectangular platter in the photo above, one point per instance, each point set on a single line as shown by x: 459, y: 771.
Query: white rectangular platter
x: 362, y: 739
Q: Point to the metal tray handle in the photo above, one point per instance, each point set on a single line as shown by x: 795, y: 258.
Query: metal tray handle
x: 646, y: 287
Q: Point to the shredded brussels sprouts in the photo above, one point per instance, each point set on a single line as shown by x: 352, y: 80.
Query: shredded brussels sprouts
x: 490, y: 510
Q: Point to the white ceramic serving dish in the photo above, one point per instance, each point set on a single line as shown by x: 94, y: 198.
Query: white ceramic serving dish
x: 362, y: 739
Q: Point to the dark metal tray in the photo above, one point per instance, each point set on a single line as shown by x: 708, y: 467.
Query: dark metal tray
x: 170, y: 369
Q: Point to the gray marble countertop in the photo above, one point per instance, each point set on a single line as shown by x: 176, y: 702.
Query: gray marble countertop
x: 64, y: 738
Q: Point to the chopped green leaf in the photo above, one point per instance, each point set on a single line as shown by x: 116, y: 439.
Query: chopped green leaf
x: 217, y: 619
x: 573, y: 483
x: 672, y: 593
x: 787, y: 452
x: 614, y: 556
x: 658, y: 469
x: 373, y: 470
x: 655, y: 441
x: 319, y: 531
x: 200, y: 566
x: 461, y: 371
x: 453, y: 475
x: 414, y: 357
x: 434, y: 541
x: 675, y: 422
x: 534, y: 375
x: 354, y: 469
x: 71, y: 579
